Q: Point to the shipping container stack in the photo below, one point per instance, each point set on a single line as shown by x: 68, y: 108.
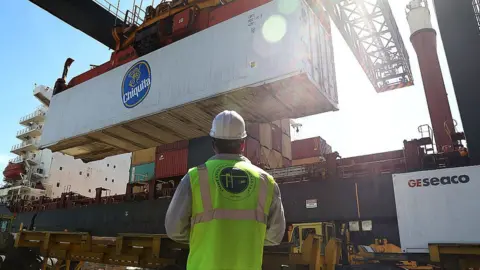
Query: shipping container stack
x: 143, y: 165
x: 171, y: 160
x: 309, y: 151
x: 269, y: 144
x: 164, y: 162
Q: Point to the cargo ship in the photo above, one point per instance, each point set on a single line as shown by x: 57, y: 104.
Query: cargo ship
x: 199, y: 38
x: 341, y: 190
x: 36, y: 173
x: 356, y: 190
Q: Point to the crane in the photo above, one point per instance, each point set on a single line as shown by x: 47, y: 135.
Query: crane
x: 367, y: 26
x: 370, y: 30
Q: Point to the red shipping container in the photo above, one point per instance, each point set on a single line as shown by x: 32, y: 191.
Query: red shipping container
x: 201, y: 19
x: 122, y: 57
x: 306, y: 148
x: 253, y: 130
x: 233, y: 9
x: 171, y: 163
x: 397, y: 154
x: 323, y: 146
x: 92, y: 73
x: 276, y: 138
x: 182, y: 20
x: 172, y: 146
x: 252, y: 150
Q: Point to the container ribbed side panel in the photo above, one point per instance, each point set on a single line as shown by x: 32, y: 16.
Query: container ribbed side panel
x: 143, y: 156
x: 171, y: 163
x: 142, y: 173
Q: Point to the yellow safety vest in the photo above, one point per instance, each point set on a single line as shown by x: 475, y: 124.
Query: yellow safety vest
x: 230, y: 205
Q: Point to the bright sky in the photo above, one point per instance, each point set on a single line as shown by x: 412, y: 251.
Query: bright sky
x: 36, y: 44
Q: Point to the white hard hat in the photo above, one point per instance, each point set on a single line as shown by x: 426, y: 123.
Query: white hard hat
x: 228, y: 125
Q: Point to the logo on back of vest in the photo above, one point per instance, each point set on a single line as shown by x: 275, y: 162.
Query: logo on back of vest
x: 234, y: 183
x: 136, y: 84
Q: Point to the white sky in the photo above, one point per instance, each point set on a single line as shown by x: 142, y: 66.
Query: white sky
x: 368, y: 122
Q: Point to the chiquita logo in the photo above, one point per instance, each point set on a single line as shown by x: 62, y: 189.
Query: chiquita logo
x: 136, y: 84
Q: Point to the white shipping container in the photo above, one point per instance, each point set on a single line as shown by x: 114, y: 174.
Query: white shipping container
x: 265, y: 63
x: 277, y: 123
x: 275, y: 159
x: 286, y: 146
x: 439, y: 206
x: 271, y: 159
x: 285, y: 123
x: 266, y: 135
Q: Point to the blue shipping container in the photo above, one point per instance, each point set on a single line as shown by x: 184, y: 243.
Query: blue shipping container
x: 142, y: 173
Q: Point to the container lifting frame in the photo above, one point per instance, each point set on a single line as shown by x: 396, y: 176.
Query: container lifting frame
x: 370, y: 30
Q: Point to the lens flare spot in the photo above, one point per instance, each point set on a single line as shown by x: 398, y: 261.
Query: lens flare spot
x: 287, y: 6
x: 274, y: 28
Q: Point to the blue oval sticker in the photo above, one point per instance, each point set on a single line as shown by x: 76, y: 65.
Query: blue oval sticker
x: 136, y: 84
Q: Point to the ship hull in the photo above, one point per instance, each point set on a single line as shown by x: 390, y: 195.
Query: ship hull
x: 340, y: 200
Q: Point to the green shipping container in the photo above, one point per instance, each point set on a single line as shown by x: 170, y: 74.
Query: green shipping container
x: 142, y: 173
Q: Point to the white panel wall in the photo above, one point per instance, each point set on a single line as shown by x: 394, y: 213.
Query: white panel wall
x: 71, y: 174
x: 436, y: 207
x: 214, y: 61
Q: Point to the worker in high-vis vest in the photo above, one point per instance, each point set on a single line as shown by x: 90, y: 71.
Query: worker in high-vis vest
x: 227, y: 209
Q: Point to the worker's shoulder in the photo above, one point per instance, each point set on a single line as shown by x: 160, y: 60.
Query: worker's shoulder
x: 195, y: 169
x: 262, y: 171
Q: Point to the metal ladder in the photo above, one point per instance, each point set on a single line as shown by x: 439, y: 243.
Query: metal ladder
x: 426, y: 138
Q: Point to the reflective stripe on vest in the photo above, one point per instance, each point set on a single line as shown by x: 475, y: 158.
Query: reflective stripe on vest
x: 210, y: 214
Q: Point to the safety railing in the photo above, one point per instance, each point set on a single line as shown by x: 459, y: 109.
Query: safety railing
x: 24, y: 144
x: 38, y: 112
x: 29, y: 129
x: 288, y: 172
x: 134, y: 17
x: 16, y: 160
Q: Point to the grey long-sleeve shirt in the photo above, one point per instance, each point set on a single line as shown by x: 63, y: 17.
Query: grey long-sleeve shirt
x: 179, y: 214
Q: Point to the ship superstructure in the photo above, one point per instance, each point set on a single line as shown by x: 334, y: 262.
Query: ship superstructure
x: 34, y: 172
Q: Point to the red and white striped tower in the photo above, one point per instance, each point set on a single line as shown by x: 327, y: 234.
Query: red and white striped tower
x: 424, y: 40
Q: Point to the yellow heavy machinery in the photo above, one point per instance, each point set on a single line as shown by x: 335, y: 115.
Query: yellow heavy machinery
x: 6, y: 222
x: 312, y: 246
x: 6, y: 238
x: 315, y: 246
